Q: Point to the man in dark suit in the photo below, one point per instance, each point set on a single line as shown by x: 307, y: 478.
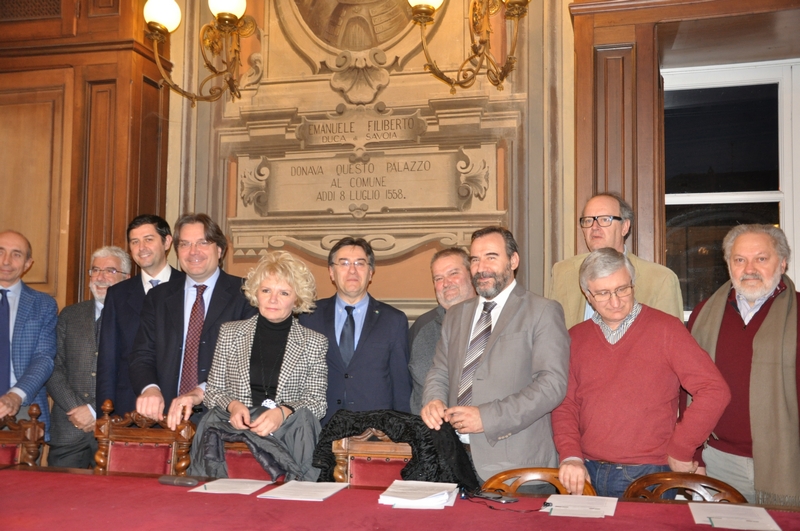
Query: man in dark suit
x: 180, y: 323
x: 149, y: 240
x: 367, y: 340
x: 501, y: 365
x: 27, y: 333
x: 73, y: 383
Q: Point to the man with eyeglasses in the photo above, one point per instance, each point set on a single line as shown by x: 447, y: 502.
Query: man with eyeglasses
x: 626, y: 369
x: 149, y: 241
x: 27, y: 333
x: 367, y: 339
x: 73, y: 383
x: 180, y: 322
x: 606, y: 221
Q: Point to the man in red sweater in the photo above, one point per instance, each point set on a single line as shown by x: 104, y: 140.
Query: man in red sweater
x: 749, y: 327
x: 627, y: 365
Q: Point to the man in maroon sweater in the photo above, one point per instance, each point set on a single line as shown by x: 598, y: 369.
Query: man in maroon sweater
x: 749, y: 327
x: 627, y: 365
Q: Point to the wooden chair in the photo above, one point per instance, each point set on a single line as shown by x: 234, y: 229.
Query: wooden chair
x: 135, y: 443
x: 520, y: 476
x: 710, y: 489
x: 370, y: 459
x: 21, y: 440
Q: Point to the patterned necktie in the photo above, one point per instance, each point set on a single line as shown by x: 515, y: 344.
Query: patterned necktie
x: 190, y: 351
x: 98, y: 323
x: 480, y: 336
x: 347, y: 339
x: 5, y: 343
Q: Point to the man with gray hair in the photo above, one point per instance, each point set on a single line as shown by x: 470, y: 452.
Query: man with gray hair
x: 452, y: 284
x: 627, y: 366
x: 74, y: 380
x: 749, y: 327
x: 606, y: 221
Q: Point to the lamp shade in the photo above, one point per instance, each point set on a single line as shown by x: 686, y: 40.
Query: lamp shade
x: 435, y: 4
x: 164, y: 12
x: 234, y: 7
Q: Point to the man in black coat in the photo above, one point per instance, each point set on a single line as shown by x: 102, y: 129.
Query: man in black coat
x: 149, y: 240
x: 180, y: 323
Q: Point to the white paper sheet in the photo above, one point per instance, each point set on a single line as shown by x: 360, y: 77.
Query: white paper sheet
x: 731, y: 516
x: 406, y: 504
x: 581, y: 506
x: 418, y: 494
x: 304, y: 491
x: 231, y: 486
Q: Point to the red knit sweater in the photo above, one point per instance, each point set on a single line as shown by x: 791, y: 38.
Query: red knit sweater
x: 622, y: 400
x: 734, y: 358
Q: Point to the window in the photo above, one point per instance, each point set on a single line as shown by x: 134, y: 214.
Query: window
x: 728, y: 146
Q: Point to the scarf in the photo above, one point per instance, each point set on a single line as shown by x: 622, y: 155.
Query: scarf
x: 773, y: 392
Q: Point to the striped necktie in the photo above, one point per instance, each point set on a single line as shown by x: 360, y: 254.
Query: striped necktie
x: 480, y: 336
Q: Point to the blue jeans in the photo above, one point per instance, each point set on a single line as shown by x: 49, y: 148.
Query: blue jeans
x: 611, y: 479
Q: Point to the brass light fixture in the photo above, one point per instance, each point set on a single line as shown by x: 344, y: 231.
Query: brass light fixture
x: 480, y: 30
x: 220, y: 36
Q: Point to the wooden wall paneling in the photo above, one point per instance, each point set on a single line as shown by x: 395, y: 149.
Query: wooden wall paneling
x: 585, y: 127
x: 35, y: 130
x: 100, y: 167
x: 648, y: 200
x: 30, y: 20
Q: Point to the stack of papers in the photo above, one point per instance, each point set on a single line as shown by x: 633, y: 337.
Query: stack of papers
x: 304, y: 491
x: 581, y: 506
x: 419, y: 495
x: 730, y: 516
x: 231, y: 486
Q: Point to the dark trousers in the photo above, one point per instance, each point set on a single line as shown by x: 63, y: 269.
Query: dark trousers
x: 79, y: 454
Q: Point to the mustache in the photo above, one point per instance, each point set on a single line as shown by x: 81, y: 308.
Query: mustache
x: 751, y: 276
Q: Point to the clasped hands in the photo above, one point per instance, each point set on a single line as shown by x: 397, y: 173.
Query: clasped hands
x: 465, y: 419
x: 266, y: 424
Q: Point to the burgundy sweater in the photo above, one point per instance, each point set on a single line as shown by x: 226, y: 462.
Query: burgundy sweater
x: 734, y: 359
x: 622, y: 400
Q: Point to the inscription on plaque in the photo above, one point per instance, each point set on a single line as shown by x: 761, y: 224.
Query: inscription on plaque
x: 360, y: 126
x: 402, y: 180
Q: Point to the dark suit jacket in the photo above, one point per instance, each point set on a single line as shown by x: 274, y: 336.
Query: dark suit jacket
x: 123, y: 305
x: 73, y: 382
x: 158, y: 348
x: 377, y: 376
x: 33, y: 348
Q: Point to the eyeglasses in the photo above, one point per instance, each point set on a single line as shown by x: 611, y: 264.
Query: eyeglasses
x: 93, y: 272
x: 621, y: 292
x: 345, y: 263
x: 201, y: 244
x: 602, y: 221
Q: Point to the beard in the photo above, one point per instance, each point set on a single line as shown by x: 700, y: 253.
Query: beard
x: 754, y: 293
x: 501, y: 280
x: 93, y: 287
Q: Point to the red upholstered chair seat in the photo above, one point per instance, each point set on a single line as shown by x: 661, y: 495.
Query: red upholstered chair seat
x: 134, y: 443
x: 370, y: 459
x: 242, y: 464
x: 140, y: 457
x: 21, y: 441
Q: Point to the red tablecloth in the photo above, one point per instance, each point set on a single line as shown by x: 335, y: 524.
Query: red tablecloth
x: 57, y: 501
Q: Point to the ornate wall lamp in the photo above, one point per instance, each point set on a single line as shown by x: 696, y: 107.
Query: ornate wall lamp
x: 220, y: 36
x: 480, y: 31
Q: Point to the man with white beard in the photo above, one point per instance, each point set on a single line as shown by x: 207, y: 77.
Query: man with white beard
x: 749, y: 327
x: 72, y: 385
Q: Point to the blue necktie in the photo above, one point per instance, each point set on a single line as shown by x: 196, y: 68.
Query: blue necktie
x: 347, y: 339
x: 5, y: 343
x: 155, y: 282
